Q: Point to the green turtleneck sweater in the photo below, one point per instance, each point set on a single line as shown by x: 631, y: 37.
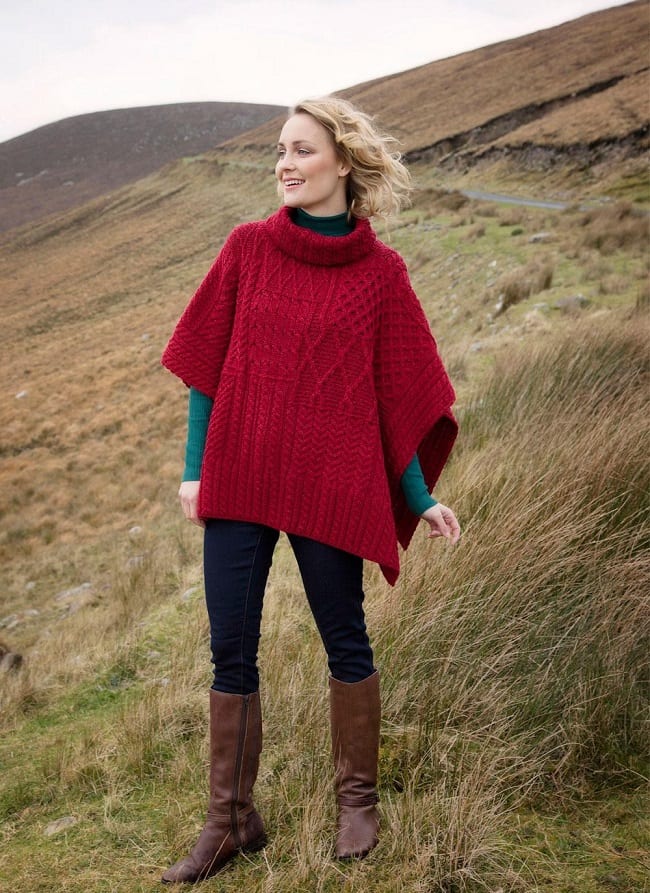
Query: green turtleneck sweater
x: 414, y: 487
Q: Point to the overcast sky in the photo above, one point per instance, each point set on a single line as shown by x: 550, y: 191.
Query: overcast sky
x: 74, y: 56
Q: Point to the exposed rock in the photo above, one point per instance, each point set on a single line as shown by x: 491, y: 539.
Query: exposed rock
x: 69, y: 595
x: 571, y: 303
x: 135, y: 531
x: 62, y: 824
x: 189, y: 594
x: 10, y: 660
x: 535, y: 321
x: 76, y: 598
x: 540, y: 237
x: 21, y: 394
x: 10, y: 621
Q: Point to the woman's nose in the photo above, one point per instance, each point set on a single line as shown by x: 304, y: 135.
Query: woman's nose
x: 286, y: 162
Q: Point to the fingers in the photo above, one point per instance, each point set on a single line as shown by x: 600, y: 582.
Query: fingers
x: 453, y: 527
x: 443, y: 523
x: 189, y: 499
x: 190, y: 510
x: 440, y: 528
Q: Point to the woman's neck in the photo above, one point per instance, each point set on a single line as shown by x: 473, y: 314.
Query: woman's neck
x: 335, y: 225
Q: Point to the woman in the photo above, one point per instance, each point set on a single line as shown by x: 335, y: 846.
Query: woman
x: 312, y: 368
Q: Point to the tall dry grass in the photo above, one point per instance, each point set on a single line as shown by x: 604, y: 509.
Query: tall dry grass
x: 514, y: 667
x: 619, y: 226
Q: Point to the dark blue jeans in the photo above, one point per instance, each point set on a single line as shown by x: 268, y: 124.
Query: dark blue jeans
x: 237, y: 558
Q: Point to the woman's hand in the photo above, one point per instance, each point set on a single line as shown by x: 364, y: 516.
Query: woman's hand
x: 189, y: 497
x: 443, y: 522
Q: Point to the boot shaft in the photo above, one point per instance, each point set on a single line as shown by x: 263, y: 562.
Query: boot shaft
x: 235, y: 748
x: 355, y: 718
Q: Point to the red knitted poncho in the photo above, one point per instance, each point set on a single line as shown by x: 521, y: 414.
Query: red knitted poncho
x: 326, y: 381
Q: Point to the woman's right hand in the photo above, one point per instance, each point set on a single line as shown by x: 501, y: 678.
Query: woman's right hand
x: 189, y: 497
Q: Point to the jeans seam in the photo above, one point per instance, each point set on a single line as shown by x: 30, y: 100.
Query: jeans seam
x: 245, y: 618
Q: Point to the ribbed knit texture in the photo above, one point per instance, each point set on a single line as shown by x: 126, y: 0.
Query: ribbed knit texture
x: 326, y: 381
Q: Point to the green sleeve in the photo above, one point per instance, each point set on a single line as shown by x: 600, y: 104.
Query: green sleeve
x: 198, y: 416
x: 415, y: 489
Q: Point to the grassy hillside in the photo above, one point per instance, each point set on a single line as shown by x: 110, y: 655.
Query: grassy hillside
x: 66, y: 163
x: 513, y: 744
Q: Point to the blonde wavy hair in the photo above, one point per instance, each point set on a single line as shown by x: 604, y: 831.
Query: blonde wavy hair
x: 379, y: 184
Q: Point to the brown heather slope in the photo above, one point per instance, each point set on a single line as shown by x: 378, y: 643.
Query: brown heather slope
x: 583, y: 84
x: 64, y: 164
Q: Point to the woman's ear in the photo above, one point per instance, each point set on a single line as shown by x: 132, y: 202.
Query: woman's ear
x: 344, y: 166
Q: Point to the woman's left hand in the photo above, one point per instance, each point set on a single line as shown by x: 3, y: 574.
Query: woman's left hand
x: 443, y: 522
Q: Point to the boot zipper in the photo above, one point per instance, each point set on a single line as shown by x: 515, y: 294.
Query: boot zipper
x: 234, y: 818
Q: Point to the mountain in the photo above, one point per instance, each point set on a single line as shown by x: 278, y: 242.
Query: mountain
x: 577, y: 93
x: 63, y: 164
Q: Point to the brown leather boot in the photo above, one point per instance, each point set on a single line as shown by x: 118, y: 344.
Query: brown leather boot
x: 233, y: 824
x: 355, y: 715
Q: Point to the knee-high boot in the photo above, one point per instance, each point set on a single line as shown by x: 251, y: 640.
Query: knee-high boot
x: 355, y: 715
x: 233, y: 824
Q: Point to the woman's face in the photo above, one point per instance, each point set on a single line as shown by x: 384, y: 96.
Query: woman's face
x: 310, y: 173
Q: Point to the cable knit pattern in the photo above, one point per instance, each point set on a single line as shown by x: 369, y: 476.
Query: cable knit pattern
x: 326, y: 380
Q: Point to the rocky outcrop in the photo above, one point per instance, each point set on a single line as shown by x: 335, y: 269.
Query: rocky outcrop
x: 9, y: 660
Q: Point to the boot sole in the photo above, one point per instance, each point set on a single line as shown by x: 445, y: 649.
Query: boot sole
x: 354, y: 857
x: 253, y: 847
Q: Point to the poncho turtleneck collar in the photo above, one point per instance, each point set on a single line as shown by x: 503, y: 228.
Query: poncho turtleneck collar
x: 313, y: 248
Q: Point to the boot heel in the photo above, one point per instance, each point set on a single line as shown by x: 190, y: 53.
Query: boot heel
x: 255, y: 845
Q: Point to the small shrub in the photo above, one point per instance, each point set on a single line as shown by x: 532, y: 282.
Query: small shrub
x: 519, y: 284
x: 477, y: 231
x: 614, y: 284
x: 610, y: 229
x: 511, y: 216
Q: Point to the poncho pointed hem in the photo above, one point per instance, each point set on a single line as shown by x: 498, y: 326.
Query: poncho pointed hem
x: 325, y: 379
